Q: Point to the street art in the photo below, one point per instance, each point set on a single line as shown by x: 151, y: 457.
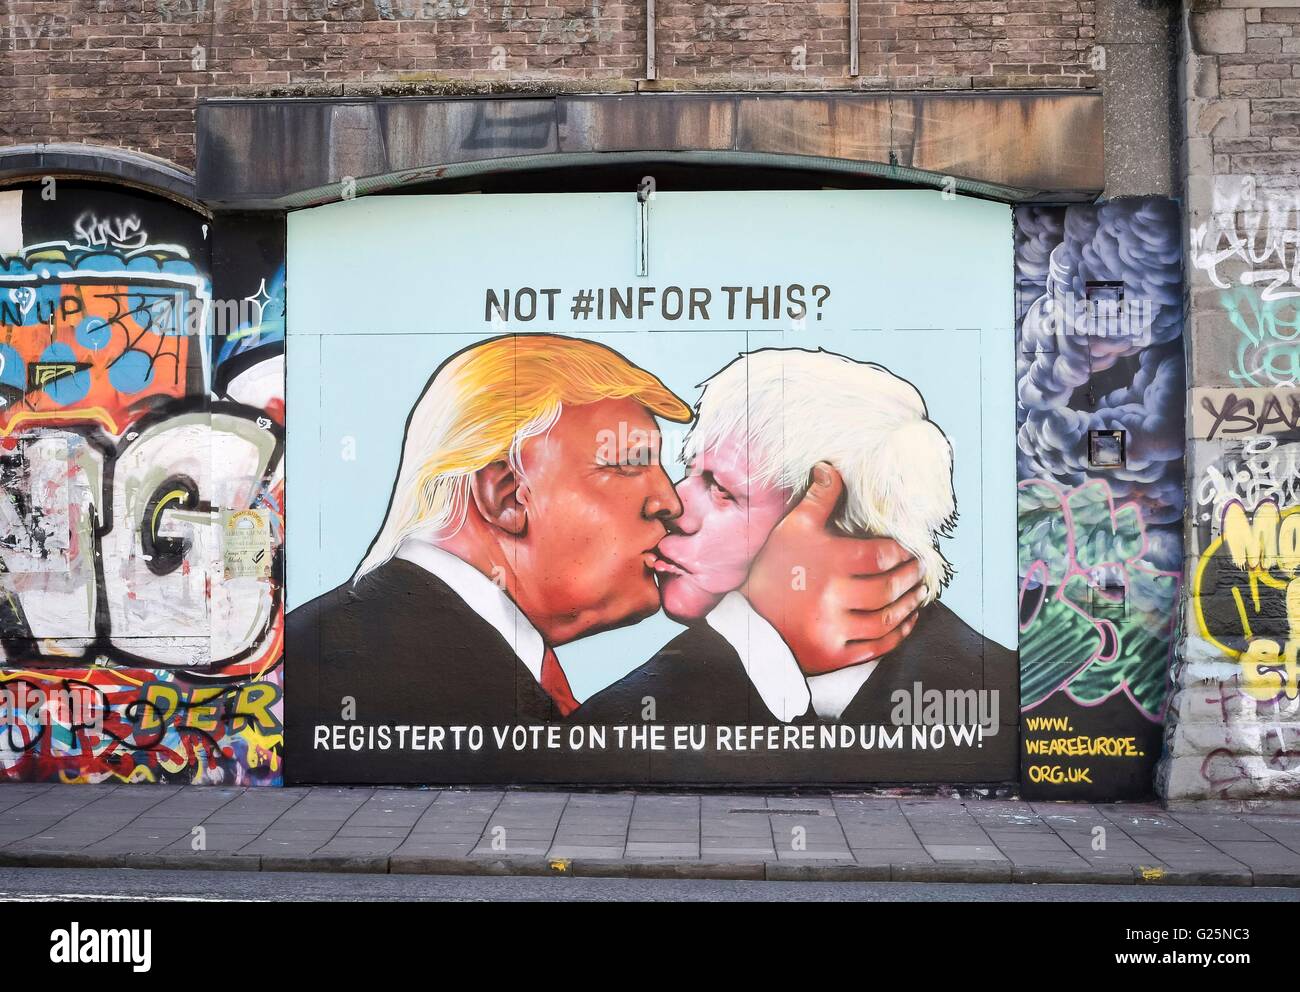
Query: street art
x: 1268, y: 346
x: 1100, y: 542
x: 1249, y: 250
x: 1240, y: 700
x: 1248, y: 472
x: 547, y: 549
x: 1247, y: 597
x: 1252, y: 239
x: 1228, y: 413
x: 787, y: 587
x: 1238, y: 703
x: 1092, y: 580
x: 127, y: 649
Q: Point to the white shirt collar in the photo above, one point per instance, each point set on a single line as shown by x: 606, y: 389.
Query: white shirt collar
x: 483, y: 596
x: 773, y: 670
x: 833, y: 691
x: 767, y: 661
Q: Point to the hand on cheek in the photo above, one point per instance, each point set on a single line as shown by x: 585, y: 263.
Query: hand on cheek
x: 836, y: 601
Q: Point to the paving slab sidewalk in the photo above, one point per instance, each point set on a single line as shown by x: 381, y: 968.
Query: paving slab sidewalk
x: 822, y: 836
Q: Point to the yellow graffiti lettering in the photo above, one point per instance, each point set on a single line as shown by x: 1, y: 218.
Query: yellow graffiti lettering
x: 1265, y: 547
x: 1267, y: 670
x: 202, y: 715
x: 205, y: 708
x: 162, y: 701
x: 254, y: 702
x: 1252, y: 544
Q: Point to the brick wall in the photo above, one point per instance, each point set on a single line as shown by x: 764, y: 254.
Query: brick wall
x: 1234, y: 724
x: 129, y: 72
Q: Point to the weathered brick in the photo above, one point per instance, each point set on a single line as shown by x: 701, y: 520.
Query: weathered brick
x: 119, y: 46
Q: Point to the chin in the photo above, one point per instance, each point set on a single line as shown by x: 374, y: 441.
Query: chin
x: 646, y: 605
x: 685, y: 602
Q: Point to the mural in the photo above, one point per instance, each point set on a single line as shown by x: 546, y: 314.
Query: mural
x: 1100, y: 438
x: 771, y: 560
x: 142, y: 524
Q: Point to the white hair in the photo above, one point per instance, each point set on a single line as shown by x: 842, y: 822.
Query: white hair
x: 798, y: 407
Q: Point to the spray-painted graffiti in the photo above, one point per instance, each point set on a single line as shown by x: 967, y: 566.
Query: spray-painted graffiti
x: 127, y: 443
x: 1227, y: 412
x: 1268, y: 349
x: 1248, y: 473
x: 1253, y: 239
x: 1250, y: 249
x: 1100, y: 542
x: 1087, y: 595
x: 1236, y: 699
x: 128, y: 725
x: 1247, y: 596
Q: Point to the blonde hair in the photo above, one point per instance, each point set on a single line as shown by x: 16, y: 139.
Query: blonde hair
x: 481, y: 406
x: 798, y: 407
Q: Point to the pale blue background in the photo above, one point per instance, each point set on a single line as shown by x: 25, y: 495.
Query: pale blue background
x: 382, y: 290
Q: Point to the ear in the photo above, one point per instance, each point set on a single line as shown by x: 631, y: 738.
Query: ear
x: 499, y: 498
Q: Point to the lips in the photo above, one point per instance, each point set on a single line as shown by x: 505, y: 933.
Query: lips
x: 663, y: 565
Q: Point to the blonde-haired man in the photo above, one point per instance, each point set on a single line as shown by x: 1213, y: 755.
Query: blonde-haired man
x: 526, y: 513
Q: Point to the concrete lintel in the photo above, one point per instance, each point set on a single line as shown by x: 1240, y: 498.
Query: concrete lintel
x: 283, y: 153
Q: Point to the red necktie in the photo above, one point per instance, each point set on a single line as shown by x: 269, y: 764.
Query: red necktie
x: 556, y: 685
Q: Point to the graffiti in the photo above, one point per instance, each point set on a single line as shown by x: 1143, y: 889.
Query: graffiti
x: 1245, y: 747
x: 1260, y: 469
x: 1219, y: 412
x: 1100, y: 547
x: 1250, y: 249
x: 1096, y: 617
x: 1247, y: 597
x: 126, y: 442
x: 437, y: 543
x: 1074, y: 382
x: 134, y: 727
x: 1268, y: 350
x: 1244, y: 611
x: 1260, y: 235
x: 122, y: 233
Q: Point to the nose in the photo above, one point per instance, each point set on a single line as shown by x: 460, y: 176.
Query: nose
x: 688, y: 521
x: 661, y: 503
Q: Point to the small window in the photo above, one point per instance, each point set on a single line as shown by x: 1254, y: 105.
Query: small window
x: 1106, y: 314
x: 1106, y: 449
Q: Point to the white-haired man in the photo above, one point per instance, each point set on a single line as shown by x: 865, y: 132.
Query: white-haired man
x: 766, y: 424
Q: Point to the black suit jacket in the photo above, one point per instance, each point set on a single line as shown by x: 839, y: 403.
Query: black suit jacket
x: 409, y: 651
x: 698, y: 678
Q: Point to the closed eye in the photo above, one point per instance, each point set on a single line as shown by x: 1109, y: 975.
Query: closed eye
x: 717, y: 488
x: 629, y: 466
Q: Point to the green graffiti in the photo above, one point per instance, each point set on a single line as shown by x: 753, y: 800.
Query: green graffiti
x: 1268, y: 353
x: 1096, y: 617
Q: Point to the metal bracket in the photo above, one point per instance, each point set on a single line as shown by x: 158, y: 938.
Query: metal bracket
x: 643, y: 193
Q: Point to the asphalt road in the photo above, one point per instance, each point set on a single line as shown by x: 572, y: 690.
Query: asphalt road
x: 117, y: 884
